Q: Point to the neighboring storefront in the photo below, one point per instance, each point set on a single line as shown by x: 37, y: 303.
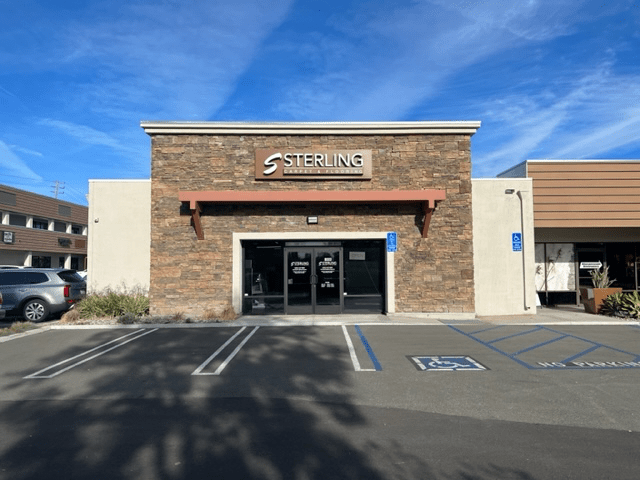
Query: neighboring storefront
x: 318, y: 218
x: 586, y: 216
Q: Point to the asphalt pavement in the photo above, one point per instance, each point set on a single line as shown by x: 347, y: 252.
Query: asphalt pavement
x: 546, y: 396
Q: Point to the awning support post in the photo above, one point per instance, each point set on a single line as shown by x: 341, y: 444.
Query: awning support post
x: 195, y: 219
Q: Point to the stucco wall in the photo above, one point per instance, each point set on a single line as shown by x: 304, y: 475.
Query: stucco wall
x: 190, y: 275
x: 119, y: 234
x: 504, y: 284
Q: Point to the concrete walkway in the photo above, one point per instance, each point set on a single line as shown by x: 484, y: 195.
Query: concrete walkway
x: 560, y: 315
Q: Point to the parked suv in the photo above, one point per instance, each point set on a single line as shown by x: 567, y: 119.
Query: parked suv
x: 2, y: 310
x: 36, y: 293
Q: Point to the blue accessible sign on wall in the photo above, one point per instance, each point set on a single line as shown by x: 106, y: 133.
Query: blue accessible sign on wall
x: 392, y: 241
x: 516, y: 241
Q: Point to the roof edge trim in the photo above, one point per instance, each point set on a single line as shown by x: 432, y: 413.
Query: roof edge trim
x: 311, y: 128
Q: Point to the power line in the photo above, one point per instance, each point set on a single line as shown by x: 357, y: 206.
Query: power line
x: 58, y: 188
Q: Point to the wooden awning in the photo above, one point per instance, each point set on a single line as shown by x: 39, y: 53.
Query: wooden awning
x: 426, y: 198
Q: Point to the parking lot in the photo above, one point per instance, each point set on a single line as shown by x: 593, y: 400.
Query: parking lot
x: 372, y: 363
x: 388, y: 385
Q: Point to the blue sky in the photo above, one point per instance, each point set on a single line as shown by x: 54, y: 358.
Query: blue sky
x: 548, y: 79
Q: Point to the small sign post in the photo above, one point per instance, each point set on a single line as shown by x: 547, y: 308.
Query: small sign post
x: 392, y: 241
x: 516, y: 241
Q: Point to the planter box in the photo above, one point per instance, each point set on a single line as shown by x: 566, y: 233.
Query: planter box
x: 592, y: 298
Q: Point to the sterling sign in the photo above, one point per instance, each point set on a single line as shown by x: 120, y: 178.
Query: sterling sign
x: 274, y: 164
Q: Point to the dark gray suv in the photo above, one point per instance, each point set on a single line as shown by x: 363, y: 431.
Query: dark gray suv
x: 36, y: 293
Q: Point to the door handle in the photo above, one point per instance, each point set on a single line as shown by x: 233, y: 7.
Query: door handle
x: 314, y: 279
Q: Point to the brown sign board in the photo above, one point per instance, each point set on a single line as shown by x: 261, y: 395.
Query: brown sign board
x: 274, y: 164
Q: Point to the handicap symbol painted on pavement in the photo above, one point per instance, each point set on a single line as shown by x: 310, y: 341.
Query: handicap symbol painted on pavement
x: 446, y: 363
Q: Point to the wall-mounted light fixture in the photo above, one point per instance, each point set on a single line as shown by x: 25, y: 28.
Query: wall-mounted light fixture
x: 510, y: 191
x: 312, y: 220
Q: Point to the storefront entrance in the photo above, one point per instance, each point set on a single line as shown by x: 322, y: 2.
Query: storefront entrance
x: 313, y: 281
x: 307, y: 277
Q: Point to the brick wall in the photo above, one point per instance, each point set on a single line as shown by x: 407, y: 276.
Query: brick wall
x: 191, y: 276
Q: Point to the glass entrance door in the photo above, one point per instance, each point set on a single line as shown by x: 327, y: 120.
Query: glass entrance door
x: 313, y: 283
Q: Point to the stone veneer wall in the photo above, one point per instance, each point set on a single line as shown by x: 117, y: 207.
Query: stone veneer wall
x: 195, y: 276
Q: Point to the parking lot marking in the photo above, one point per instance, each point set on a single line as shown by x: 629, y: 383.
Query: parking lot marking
x: 352, y: 352
x: 198, y: 371
x: 567, y: 363
x: 507, y: 337
x: 372, y: 355
x: 446, y: 363
x: 137, y: 334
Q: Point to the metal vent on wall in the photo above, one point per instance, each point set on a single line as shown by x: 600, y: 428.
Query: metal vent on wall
x: 8, y: 198
x: 64, y: 210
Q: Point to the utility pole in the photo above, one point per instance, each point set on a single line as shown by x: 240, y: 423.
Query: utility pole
x: 58, y: 188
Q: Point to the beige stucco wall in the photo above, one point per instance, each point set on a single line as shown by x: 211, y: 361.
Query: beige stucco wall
x: 119, y: 234
x: 504, y: 280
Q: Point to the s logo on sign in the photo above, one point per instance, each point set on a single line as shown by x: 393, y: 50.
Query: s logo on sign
x: 270, y: 162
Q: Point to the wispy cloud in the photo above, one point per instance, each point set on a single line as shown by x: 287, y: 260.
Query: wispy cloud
x: 400, y: 56
x: 12, y: 165
x: 180, y: 61
x: 594, y: 118
x: 86, y: 135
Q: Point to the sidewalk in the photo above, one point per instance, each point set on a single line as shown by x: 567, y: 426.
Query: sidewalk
x: 559, y: 315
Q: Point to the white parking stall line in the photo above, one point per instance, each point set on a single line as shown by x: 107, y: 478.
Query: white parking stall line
x: 137, y: 333
x: 198, y: 371
x: 352, y: 352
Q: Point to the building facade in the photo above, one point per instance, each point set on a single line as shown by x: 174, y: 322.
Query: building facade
x: 41, y: 231
x: 311, y: 218
x: 290, y: 218
x: 586, y: 216
x: 119, y: 235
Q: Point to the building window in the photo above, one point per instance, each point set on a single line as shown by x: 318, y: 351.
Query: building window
x: 60, y: 227
x: 41, y: 224
x: 76, y: 229
x: 75, y: 263
x: 17, y: 220
x: 40, y: 262
x: 61, y: 262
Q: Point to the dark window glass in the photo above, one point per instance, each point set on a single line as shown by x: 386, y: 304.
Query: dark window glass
x: 70, y: 276
x: 40, y: 262
x: 60, y: 226
x: 263, y: 278
x: 40, y: 224
x: 17, y: 220
x: 76, y: 229
x: 364, y: 276
x: 61, y: 262
x: 75, y: 263
x: 21, y: 277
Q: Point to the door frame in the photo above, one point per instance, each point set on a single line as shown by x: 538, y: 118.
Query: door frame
x: 237, y: 268
x: 313, y: 308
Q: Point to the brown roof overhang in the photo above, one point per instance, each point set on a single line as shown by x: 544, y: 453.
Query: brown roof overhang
x: 426, y: 198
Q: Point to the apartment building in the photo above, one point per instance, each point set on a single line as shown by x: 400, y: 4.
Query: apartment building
x: 41, y: 231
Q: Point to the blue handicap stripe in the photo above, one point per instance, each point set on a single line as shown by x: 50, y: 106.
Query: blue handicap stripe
x: 372, y: 355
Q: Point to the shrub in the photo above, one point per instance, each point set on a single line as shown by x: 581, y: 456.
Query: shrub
x: 612, y: 305
x: 601, y: 279
x: 114, y: 303
x: 622, y: 305
x: 631, y: 304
